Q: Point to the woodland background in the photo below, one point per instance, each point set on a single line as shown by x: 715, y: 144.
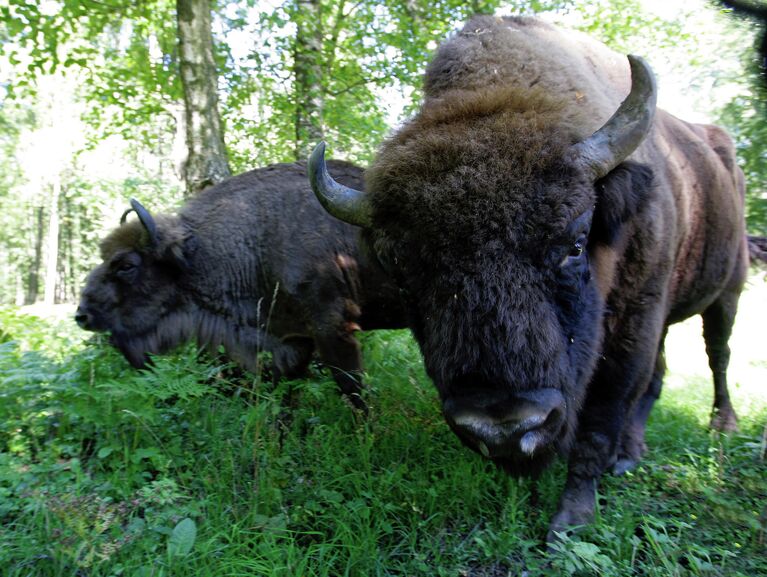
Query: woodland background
x: 188, y: 469
x: 101, y: 100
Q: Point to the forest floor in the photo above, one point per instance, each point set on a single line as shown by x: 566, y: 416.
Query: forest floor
x: 193, y: 469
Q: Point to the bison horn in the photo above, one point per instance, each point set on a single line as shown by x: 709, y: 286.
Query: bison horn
x: 625, y: 130
x: 146, y: 219
x: 344, y: 203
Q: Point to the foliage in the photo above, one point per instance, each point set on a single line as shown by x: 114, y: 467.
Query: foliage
x: 744, y: 116
x: 628, y: 27
x: 109, y: 69
x: 122, y: 49
x: 187, y: 469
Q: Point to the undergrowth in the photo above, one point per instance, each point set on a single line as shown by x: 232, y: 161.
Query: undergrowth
x: 193, y: 468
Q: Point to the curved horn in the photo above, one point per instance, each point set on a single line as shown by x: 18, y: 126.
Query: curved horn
x: 624, y: 132
x: 124, y: 217
x: 146, y: 219
x: 344, y: 203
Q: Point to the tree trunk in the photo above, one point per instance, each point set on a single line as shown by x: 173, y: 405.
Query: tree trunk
x: 307, y: 63
x: 33, y: 283
x: 52, y: 246
x: 206, y: 162
x: 69, y: 278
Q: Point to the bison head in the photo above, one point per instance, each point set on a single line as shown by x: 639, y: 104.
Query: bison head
x: 490, y: 219
x: 136, y: 287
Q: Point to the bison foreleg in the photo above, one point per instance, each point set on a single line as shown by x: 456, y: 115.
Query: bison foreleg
x: 291, y: 358
x: 340, y: 352
x: 632, y: 446
x: 291, y: 361
x: 620, y: 380
x: 578, y: 501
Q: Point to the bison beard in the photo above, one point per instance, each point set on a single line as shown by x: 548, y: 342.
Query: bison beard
x: 542, y: 261
x: 251, y: 264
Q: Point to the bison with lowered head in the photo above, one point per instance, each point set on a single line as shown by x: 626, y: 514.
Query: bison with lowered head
x: 253, y: 263
x: 546, y: 224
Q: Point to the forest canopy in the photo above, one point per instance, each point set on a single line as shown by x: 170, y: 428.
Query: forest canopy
x: 94, y: 107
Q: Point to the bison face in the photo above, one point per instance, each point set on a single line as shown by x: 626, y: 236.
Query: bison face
x: 135, y: 288
x: 501, y: 282
x: 505, y: 308
x: 491, y: 221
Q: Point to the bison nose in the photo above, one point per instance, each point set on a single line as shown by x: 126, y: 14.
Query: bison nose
x: 521, y: 424
x: 82, y: 318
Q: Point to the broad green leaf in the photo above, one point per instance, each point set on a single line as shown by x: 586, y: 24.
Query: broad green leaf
x: 181, y: 540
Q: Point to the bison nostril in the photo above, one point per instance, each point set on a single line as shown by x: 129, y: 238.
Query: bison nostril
x: 531, y: 441
x: 82, y: 318
x: 524, y: 423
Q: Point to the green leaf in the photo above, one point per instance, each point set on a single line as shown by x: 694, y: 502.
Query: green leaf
x: 182, y: 538
x: 141, y: 454
x: 104, y: 452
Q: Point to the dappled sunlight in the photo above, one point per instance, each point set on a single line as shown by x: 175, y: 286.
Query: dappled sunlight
x: 747, y: 374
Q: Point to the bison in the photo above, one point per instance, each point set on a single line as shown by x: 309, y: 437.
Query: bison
x: 253, y: 263
x: 545, y: 225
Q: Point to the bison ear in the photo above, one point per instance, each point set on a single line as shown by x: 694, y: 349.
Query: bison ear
x: 620, y: 195
x: 180, y: 253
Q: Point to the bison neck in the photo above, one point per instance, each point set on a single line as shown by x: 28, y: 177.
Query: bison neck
x: 208, y: 329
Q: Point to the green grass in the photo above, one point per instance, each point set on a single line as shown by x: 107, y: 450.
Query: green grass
x: 187, y: 470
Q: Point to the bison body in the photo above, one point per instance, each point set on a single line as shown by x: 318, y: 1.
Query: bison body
x: 252, y: 264
x: 543, y: 257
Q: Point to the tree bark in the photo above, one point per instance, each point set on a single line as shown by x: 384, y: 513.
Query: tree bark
x: 307, y: 70
x: 206, y: 162
x: 33, y: 282
x: 69, y: 284
x: 52, y: 245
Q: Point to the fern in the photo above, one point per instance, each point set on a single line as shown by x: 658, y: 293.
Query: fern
x: 181, y: 378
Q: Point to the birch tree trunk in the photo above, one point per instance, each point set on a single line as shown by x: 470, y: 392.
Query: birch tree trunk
x: 33, y: 282
x: 52, y: 245
x: 206, y: 163
x: 307, y: 59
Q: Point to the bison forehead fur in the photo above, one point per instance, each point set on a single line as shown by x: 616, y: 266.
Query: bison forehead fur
x: 473, y: 166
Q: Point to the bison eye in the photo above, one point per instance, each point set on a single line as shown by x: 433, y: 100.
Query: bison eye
x: 574, y: 253
x: 126, y: 271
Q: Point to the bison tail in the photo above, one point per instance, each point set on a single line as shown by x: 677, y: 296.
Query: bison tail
x: 757, y: 249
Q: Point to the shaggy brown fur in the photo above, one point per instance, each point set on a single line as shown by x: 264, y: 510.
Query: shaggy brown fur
x: 251, y: 264
x: 481, y: 213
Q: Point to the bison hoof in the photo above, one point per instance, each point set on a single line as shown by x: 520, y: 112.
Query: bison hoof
x: 623, y: 465
x: 724, y: 421
x: 358, y: 403
x: 566, y: 521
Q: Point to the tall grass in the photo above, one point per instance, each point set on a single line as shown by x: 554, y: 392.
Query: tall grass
x: 189, y: 470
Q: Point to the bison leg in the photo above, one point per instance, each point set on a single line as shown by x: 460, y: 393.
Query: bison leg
x: 291, y: 358
x: 341, y: 353
x: 633, y: 445
x: 717, y: 327
x: 620, y: 379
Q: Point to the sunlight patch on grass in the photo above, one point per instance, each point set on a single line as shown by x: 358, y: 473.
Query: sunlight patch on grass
x: 747, y: 374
